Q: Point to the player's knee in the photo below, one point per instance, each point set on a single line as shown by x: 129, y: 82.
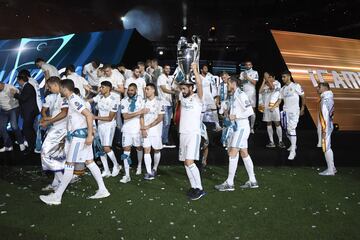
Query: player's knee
x: 291, y: 132
x: 70, y: 163
x: 243, y: 153
x: 268, y: 124
x: 127, y: 149
x: 277, y: 124
x: 233, y: 152
x: 139, y: 148
x: 156, y: 150
x: 188, y: 162
x: 147, y: 150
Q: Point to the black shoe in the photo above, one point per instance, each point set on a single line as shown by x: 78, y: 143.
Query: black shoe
x: 28, y: 151
x: 190, y: 192
x: 198, y: 194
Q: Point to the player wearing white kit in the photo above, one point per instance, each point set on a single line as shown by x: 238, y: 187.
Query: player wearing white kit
x: 249, y: 79
x: 239, y: 112
x: 139, y: 81
x: 79, y: 81
x: 268, y: 95
x: 326, y: 116
x: 132, y: 107
x: 151, y: 130
x: 190, y: 133
x: 107, y: 106
x: 290, y: 94
x: 210, y: 92
x: 52, y: 152
x: 78, y: 146
x: 90, y: 71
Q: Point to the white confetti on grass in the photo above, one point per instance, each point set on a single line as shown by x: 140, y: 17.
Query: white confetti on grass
x: 313, y: 226
x: 3, y: 212
x: 7, y: 195
x: 32, y: 225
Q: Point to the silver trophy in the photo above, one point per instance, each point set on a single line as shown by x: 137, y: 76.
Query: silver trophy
x: 187, y: 53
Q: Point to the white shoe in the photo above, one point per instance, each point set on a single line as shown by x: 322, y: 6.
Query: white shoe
x: 252, y: 131
x: 327, y: 173
x: 292, y: 155
x: 22, y: 147
x: 100, y: 194
x: 106, y: 174
x: 319, y: 145
x: 48, y: 188
x: 116, y: 170
x: 50, y: 199
x: 26, y: 143
x: 6, y: 149
x: 37, y: 151
x: 138, y: 171
x: 125, y: 179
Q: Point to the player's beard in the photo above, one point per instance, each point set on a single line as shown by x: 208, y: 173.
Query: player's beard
x: 185, y: 95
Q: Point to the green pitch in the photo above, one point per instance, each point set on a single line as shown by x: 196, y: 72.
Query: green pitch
x: 291, y: 203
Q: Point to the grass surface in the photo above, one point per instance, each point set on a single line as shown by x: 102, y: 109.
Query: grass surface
x: 291, y: 203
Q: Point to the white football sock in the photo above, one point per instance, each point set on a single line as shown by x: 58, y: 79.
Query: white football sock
x: 252, y: 121
x: 147, y: 160
x: 233, y: 163
x: 319, y: 133
x: 139, y: 157
x: 279, y: 133
x: 113, y: 158
x: 249, y: 166
x: 65, y: 180
x: 126, y: 164
x: 95, y: 171
x: 270, y: 132
x: 57, y: 178
x: 329, y: 157
x: 105, y: 163
x: 157, y: 156
x: 196, y: 175
x: 293, y: 143
x: 190, y: 176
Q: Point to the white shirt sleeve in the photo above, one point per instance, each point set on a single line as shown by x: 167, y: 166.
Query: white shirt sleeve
x: 64, y: 103
x: 77, y: 103
x: 299, y: 90
x: 48, y: 101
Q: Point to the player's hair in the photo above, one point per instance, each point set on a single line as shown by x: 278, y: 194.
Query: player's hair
x: 107, y: 66
x: 233, y: 79
x: 39, y: 60
x: 96, y: 61
x: 70, y: 68
x: 24, y: 72
x: 166, y: 64
x: 325, y: 85
x: 132, y: 85
x: 22, y: 77
x: 53, y: 80
x: 271, y: 74
x: 204, y: 65
x: 248, y: 61
x: 154, y: 60
x: 287, y: 72
x: 68, y: 84
x: 151, y: 85
x: 140, y: 63
x: 77, y: 91
x: 106, y: 84
x: 223, y: 73
x: 135, y: 67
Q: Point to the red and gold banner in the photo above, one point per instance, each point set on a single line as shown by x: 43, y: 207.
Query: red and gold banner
x: 314, y: 58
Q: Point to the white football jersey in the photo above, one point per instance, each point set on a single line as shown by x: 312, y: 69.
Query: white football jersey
x: 156, y: 108
x: 75, y: 119
x: 222, y: 91
x: 106, y: 105
x: 91, y: 74
x: 53, y: 72
x: 290, y: 94
x: 55, y: 103
x: 240, y: 105
x: 132, y: 125
x: 209, y: 88
x: 326, y: 113
x: 248, y: 86
x: 270, y: 96
x: 166, y: 81
x: 190, y: 115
